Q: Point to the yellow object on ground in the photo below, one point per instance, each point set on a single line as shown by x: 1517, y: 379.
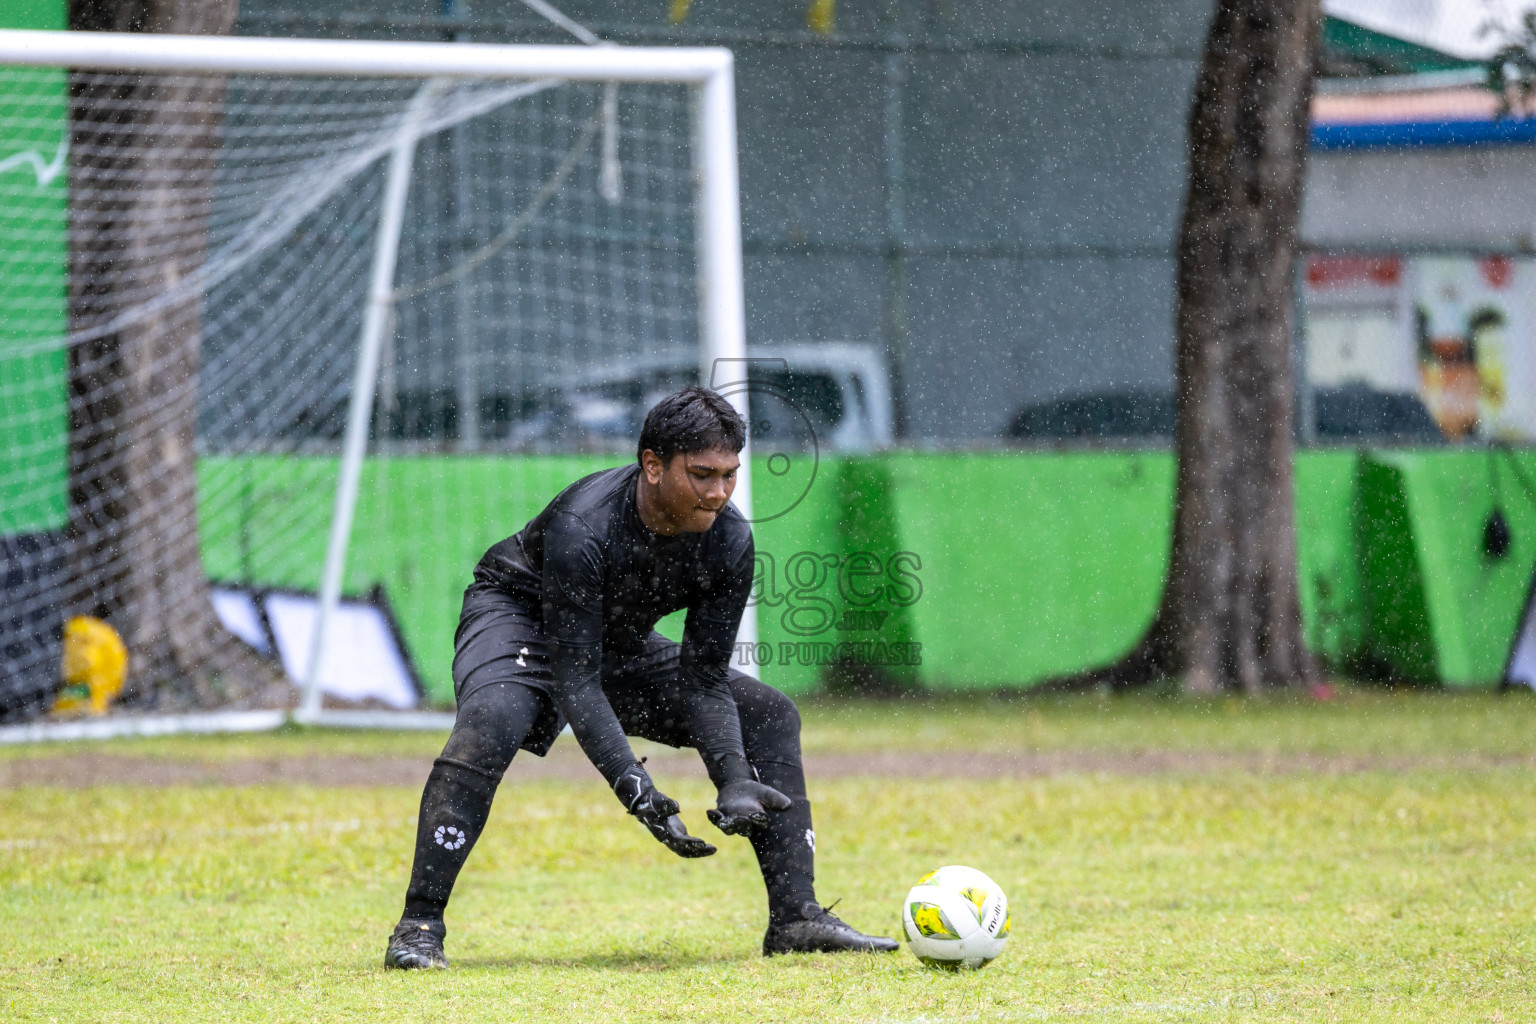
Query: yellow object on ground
x: 95, y: 666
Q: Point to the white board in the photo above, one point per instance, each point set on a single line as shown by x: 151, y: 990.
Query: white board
x: 237, y: 611
x: 362, y: 659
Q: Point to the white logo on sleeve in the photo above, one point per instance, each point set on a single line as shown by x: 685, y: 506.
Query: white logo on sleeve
x: 810, y: 840
x: 520, y: 660
x: 449, y: 838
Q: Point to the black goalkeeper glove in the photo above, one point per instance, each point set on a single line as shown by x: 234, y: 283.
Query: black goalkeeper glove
x: 743, y: 806
x: 657, y: 812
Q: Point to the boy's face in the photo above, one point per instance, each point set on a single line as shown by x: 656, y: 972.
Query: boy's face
x: 693, y: 488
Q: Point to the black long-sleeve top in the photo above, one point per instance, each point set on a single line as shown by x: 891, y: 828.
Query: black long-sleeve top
x: 599, y: 580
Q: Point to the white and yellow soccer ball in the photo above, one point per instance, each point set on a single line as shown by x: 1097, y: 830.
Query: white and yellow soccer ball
x: 956, y: 917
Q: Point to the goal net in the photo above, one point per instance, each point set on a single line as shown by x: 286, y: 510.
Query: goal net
x: 291, y: 331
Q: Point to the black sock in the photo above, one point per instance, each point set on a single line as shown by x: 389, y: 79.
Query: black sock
x: 786, y: 849
x: 454, y: 807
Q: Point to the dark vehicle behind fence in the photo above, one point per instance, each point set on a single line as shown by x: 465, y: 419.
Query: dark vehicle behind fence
x: 1353, y: 412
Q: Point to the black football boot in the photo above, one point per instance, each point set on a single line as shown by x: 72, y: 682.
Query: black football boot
x: 819, y: 931
x: 416, y: 945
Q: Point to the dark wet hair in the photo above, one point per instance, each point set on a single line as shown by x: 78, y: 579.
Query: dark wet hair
x: 694, y: 419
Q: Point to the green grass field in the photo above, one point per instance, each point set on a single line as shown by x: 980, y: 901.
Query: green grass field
x: 1396, y: 886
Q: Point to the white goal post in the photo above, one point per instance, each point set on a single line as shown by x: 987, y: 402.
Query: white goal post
x: 706, y: 72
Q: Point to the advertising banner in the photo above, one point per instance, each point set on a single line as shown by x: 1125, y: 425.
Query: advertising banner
x: 1456, y: 334
x: 1473, y: 341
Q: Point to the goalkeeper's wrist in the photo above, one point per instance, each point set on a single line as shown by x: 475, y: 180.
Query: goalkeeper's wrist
x: 631, y: 785
x: 729, y: 768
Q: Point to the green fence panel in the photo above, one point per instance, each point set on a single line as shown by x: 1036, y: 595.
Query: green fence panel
x: 38, y: 14
x: 797, y: 529
x: 421, y: 525
x: 263, y: 518
x: 424, y: 521
x: 1438, y: 608
x: 1002, y: 568
x: 1327, y: 553
x: 34, y: 418
x: 1032, y: 564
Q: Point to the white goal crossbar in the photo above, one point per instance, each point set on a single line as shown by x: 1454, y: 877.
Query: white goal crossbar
x: 114, y: 51
x: 707, y: 71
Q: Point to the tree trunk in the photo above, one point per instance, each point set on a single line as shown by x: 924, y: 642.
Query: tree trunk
x: 1230, y: 617
x: 143, y: 149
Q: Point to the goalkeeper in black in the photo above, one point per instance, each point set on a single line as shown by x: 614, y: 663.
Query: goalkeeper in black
x: 559, y: 627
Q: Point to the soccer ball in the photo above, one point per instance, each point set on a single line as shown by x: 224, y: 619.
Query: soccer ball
x: 956, y: 917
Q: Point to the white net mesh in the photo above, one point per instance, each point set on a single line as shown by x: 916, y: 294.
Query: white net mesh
x: 184, y: 264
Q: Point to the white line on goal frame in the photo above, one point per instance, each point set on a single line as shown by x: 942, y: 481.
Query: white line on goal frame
x: 708, y: 71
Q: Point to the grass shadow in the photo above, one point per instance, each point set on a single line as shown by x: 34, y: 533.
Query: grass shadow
x: 640, y: 960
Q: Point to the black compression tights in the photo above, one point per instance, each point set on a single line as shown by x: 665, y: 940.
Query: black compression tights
x: 490, y: 728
